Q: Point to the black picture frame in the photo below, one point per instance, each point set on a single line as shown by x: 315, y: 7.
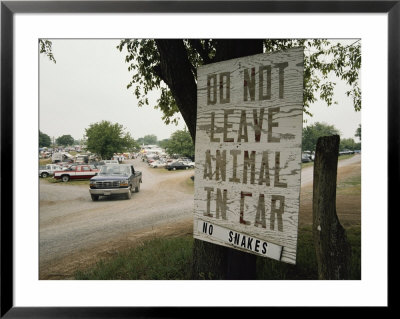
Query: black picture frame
x: 9, y: 8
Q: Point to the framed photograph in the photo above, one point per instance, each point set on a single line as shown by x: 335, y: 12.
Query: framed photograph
x: 28, y: 31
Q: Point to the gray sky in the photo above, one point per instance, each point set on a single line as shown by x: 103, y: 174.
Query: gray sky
x: 88, y: 85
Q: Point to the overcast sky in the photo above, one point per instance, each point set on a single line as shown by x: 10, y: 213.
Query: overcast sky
x: 88, y: 85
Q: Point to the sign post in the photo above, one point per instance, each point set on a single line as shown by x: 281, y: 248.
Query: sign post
x: 248, y: 153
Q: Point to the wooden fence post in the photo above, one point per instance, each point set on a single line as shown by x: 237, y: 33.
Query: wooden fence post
x: 332, y: 248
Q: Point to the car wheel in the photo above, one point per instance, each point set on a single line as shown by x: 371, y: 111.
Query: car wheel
x: 44, y: 174
x: 129, y: 194
x: 137, y: 188
x: 94, y: 197
x: 65, y: 178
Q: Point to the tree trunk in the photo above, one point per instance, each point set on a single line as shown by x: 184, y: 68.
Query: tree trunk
x: 211, y: 261
x: 227, y: 49
x: 176, y: 71
x: 332, y: 248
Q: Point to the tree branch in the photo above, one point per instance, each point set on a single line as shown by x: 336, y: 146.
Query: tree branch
x: 196, y: 44
x: 176, y: 73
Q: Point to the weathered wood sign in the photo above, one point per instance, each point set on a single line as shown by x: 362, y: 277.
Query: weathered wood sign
x: 248, y: 153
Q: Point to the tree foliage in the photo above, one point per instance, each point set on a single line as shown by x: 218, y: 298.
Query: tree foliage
x: 312, y: 132
x: 45, y: 47
x: 358, y: 132
x: 150, y: 139
x: 146, y: 60
x: 105, y: 138
x: 65, y: 140
x: 180, y: 143
x: 163, y: 143
x: 44, y: 140
x: 349, y: 144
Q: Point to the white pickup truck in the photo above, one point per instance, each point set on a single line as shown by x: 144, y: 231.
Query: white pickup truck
x: 48, y: 170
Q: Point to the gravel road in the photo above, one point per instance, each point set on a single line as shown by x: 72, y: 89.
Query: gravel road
x: 72, y: 225
x: 70, y: 221
x: 307, y: 173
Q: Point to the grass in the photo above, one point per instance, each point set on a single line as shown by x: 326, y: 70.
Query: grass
x: 306, y: 262
x: 50, y: 179
x: 304, y: 165
x: 171, y: 259
x: 156, y: 259
x: 342, y: 157
x: 44, y: 161
x: 350, y: 186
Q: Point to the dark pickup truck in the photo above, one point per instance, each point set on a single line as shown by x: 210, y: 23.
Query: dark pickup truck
x: 115, y: 179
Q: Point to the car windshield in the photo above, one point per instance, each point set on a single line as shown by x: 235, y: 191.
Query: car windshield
x: 114, y: 170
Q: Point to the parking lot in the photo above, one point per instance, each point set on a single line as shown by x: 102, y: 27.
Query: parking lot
x: 72, y: 225
x: 75, y: 231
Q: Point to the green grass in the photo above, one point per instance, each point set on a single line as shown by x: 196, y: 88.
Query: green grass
x: 306, y: 263
x: 304, y: 165
x: 342, y: 157
x: 156, y: 259
x: 350, y: 186
x: 171, y: 259
x: 50, y: 179
x: 44, y: 161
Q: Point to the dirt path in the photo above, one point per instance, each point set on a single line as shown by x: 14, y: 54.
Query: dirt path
x: 73, y: 227
x: 133, y: 219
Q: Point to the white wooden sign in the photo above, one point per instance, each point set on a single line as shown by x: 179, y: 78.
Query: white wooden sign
x: 248, y: 153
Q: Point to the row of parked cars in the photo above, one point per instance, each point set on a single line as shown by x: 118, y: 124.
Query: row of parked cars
x: 179, y: 165
x: 110, y: 178
x: 308, y: 156
x: 50, y: 169
x: 170, y: 163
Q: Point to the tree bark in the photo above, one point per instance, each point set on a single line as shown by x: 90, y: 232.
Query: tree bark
x: 211, y: 261
x: 227, y: 49
x: 332, y: 248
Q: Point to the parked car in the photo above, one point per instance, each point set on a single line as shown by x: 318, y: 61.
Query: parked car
x: 189, y: 163
x: 310, y: 154
x: 98, y: 164
x: 61, y: 157
x: 48, y: 170
x: 111, y: 162
x: 305, y: 158
x: 156, y: 164
x: 115, y: 179
x: 76, y: 172
x: 346, y: 152
x: 176, y: 165
x: 82, y: 159
x: 65, y: 165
